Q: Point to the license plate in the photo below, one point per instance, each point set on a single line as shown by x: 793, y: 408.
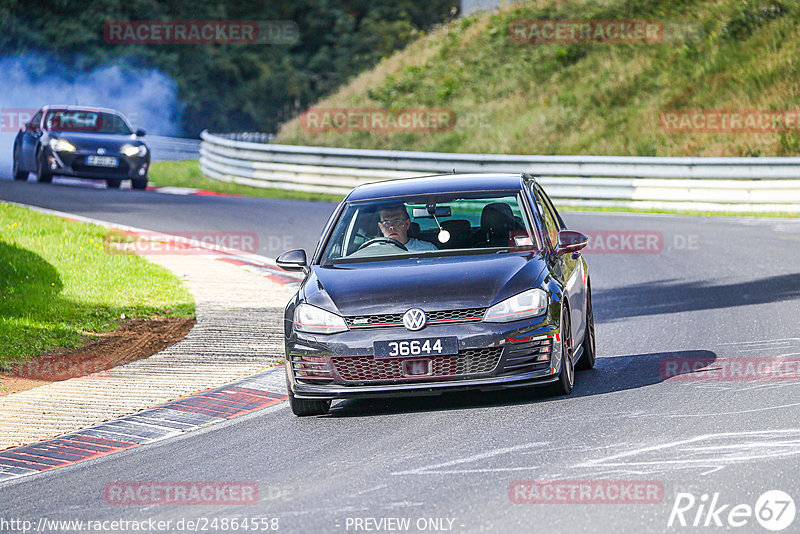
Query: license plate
x: 102, y: 161
x: 431, y: 346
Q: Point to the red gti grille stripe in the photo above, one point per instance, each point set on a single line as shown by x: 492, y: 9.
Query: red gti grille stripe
x: 464, y: 320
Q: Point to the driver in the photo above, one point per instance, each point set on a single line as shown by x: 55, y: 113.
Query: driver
x: 394, y: 223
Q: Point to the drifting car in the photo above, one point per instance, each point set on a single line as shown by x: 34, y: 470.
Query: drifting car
x: 428, y: 285
x: 84, y: 142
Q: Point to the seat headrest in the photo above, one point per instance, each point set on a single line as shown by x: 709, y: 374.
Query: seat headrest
x: 497, y: 217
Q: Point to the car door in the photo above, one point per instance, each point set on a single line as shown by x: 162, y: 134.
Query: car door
x: 566, y: 268
x: 30, y: 137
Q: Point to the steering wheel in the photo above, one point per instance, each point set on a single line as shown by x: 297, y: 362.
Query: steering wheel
x: 389, y: 240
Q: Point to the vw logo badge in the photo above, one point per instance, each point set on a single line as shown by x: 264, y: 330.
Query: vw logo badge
x: 414, y: 319
x: 101, y: 150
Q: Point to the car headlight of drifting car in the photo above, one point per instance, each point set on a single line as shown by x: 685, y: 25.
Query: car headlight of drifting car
x: 521, y: 306
x: 308, y: 318
x: 61, y: 145
x: 133, y: 150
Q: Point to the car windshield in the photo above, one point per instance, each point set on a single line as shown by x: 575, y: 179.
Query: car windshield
x: 447, y: 224
x: 86, y: 121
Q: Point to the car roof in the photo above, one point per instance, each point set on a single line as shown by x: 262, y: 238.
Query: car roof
x: 80, y: 108
x: 441, y: 183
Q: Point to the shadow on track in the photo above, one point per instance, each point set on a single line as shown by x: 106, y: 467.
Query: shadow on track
x: 670, y: 296
x: 616, y: 373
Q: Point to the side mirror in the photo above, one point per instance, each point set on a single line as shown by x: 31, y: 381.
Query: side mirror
x: 293, y: 260
x: 569, y: 241
x: 140, y: 132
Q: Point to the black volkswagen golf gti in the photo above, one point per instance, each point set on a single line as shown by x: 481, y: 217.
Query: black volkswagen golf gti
x: 81, y: 141
x: 426, y: 285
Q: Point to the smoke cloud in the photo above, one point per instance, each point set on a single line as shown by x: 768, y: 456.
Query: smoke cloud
x: 146, y: 96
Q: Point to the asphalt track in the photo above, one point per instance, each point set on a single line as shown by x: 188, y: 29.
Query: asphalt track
x: 714, y: 288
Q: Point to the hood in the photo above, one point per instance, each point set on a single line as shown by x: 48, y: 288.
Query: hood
x: 440, y: 283
x: 93, y: 141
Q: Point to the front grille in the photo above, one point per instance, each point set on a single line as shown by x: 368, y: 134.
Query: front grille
x: 371, y: 321
x: 466, y: 362
x: 467, y: 315
x: 524, y: 356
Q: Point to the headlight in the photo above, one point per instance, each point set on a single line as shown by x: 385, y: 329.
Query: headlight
x: 522, y: 306
x: 134, y: 150
x: 308, y: 318
x: 62, y: 145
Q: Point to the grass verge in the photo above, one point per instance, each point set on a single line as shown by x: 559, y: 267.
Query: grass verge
x: 58, y: 286
x: 187, y: 174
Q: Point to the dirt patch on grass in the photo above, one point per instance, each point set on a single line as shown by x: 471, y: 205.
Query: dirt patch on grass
x: 133, y: 340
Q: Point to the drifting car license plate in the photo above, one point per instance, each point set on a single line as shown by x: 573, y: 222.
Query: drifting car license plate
x: 102, y: 161
x: 432, y: 346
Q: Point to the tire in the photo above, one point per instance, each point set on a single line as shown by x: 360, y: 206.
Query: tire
x: 43, y: 175
x: 589, y: 352
x: 566, y: 378
x: 19, y: 174
x: 139, y: 183
x: 307, y: 407
x: 113, y: 183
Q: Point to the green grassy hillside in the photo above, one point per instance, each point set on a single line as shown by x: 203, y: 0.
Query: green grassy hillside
x: 587, y: 98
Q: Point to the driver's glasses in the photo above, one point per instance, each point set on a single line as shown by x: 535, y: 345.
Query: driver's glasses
x: 391, y: 222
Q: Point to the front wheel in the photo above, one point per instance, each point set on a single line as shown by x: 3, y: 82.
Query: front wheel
x: 19, y: 174
x: 307, y: 407
x: 566, y: 378
x: 43, y: 175
x: 589, y: 352
x: 139, y: 183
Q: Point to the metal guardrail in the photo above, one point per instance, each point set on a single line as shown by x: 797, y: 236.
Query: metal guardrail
x: 173, y: 148
x: 709, y: 184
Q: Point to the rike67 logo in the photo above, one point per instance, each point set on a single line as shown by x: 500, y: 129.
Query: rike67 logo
x: 774, y: 510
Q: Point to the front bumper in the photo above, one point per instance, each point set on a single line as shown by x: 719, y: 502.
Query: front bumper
x: 491, y: 356
x: 75, y: 164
